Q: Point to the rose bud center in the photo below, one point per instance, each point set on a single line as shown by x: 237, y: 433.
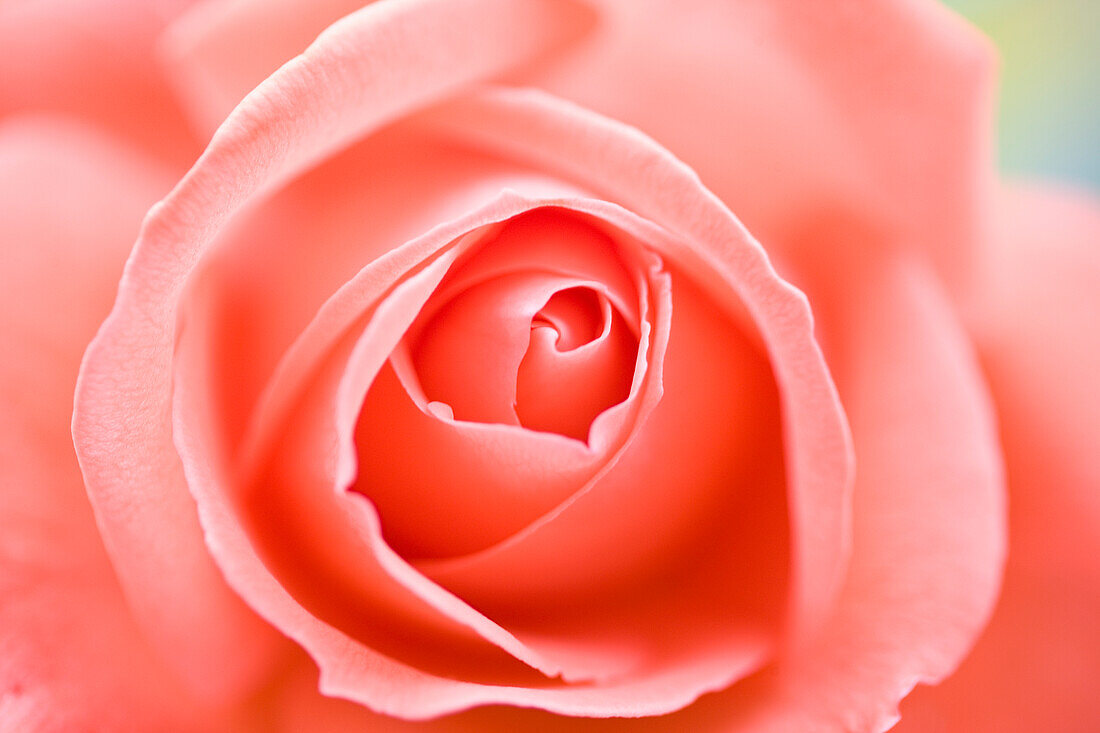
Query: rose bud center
x: 518, y: 378
x: 485, y: 357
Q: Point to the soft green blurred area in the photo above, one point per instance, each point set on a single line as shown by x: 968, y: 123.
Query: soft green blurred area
x: 1050, y: 84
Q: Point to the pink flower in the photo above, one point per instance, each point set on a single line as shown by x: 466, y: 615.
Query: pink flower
x: 535, y: 364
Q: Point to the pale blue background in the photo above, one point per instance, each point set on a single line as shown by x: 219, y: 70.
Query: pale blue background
x: 1049, y: 107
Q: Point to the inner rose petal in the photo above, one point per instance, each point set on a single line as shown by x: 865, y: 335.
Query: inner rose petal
x: 578, y: 363
x: 468, y: 354
x: 442, y: 451
x: 541, y: 351
x: 576, y: 316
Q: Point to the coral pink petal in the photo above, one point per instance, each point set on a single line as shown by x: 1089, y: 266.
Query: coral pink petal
x: 391, y: 686
x: 928, y: 520
x: 73, y: 658
x: 539, y: 459
x: 122, y: 422
x: 1038, y: 306
x: 468, y: 354
x: 711, y: 247
x: 928, y: 497
x: 899, y: 92
x: 397, y: 428
x: 220, y: 51
x: 467, y: 348
x: 90, y: 59
x: 626, y: 657
x: 280, y: 261
x: 579, y: 347
x: 706, y: 668
x: 312, y: 536
x: 688, y: 523
x: 353, y: 542
x: 553, y: 240
x: 470, y: 513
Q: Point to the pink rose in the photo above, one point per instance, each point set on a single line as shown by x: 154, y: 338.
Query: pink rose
x: 452, y: 373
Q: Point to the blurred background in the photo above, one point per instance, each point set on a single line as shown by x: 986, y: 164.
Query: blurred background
x: 1049, y: 116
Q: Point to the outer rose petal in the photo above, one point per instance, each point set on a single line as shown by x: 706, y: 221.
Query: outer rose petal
x: 899, y: 92
x: 72, y: 657
x: 122, y: 417
x: 1038, y: 306
x: 92, y: 59
x: 220, y: 51
x: 792, y: 110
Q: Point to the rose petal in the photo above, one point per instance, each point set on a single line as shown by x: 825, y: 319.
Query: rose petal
x: 467, y: 458
x: 73, y: 657
x: 304, y: 524
x: 395, y: 484
x: 90, y: 59
x: 379, y: 680
x: 193, y: 223
x: 899, y: 93
x: 578, y: 347
x: 713, y: 249
x: 219, y: 51
x: 122, y: 419
x: 281, y: 294
x: 363, y: 364
x: 1037, y: 310
x: 468, y: 345
x: 928, y: 541
x: 676, y: 546
x: 269, y: 272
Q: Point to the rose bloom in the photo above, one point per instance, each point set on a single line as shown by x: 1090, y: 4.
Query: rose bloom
x: 625, y: 365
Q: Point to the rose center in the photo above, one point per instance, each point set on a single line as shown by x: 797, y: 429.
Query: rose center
x: 573, y: 318
x: 579, y: 362
x: 535, y: 349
